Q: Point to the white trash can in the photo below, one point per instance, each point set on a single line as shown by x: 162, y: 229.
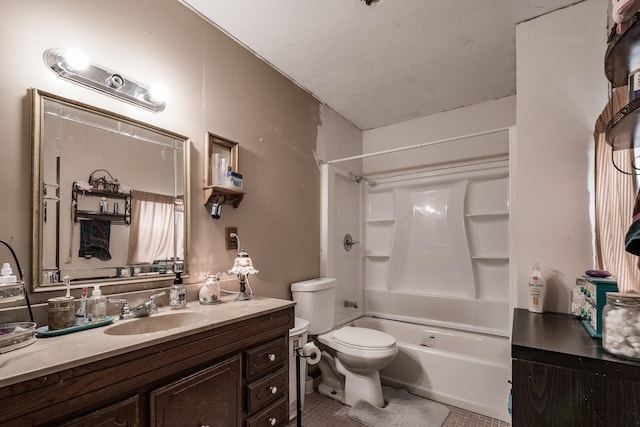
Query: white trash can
x: 297, y: 338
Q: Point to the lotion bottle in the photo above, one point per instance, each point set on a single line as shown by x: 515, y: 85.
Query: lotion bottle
x: 178, y: 293
x: 96, y: 305
x: 537, y: 290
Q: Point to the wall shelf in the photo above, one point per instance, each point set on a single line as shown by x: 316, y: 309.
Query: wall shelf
x: 231, y: 196
x: 623, y: 126
x: 216, y: 145
x: 622, y: 58
x: 623, y: 54
x: 85, y: 214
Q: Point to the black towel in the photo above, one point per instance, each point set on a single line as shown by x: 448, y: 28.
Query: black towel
x: 94, y: 239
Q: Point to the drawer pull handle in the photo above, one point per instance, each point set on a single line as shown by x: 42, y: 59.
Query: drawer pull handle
x: 273, y: 389
x: 205, y: 425
x: 271, y: 357
x: 272, y: 421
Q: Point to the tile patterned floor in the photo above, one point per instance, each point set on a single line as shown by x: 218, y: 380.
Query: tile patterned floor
x: 321, y: 411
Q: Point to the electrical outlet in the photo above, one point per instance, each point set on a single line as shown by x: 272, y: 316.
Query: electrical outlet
x: 231, y: 242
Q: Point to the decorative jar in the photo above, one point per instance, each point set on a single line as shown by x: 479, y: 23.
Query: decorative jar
x: 621, y: 325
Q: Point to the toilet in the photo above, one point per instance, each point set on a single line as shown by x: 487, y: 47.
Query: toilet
x: 354, y: 373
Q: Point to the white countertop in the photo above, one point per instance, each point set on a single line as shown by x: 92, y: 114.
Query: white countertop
x: 51, y: 354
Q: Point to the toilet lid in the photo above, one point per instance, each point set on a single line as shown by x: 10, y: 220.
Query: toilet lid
x: 363, y: 338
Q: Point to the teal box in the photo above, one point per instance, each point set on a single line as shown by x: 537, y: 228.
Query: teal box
x: 595, y: 289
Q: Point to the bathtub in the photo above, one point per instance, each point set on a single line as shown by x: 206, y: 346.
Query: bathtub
x: 463, y: 369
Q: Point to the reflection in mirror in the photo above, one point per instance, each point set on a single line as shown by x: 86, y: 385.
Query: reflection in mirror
x: 110, y: 196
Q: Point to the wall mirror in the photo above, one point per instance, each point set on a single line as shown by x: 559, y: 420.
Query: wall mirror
x: 110, y: 196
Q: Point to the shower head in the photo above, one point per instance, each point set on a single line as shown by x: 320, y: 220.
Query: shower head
x: 357, y: 178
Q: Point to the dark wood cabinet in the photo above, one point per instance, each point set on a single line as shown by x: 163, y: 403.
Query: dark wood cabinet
x: 563, y: 377
x: 266, y: 383
x: 122, y: 414
x: 208, y: 398
x: 203, y: 378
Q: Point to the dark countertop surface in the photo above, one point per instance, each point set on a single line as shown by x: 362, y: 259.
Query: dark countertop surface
x: 560, y: 339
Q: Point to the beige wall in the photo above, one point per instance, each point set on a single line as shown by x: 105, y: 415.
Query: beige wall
x: 561, y: 91
x: 214, y: 85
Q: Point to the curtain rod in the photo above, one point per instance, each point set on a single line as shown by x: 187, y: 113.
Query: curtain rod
x: 411, y: 147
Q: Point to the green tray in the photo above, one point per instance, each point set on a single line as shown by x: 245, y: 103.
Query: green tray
x: 44, y: 331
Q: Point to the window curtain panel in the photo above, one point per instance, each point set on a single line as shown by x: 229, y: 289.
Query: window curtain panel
x: 154, y: 219
x: 615, y: 194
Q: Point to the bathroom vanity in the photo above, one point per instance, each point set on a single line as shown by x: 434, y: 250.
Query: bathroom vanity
x: 220, y: 365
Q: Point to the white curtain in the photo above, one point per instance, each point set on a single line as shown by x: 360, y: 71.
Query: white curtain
x: 154, y: 221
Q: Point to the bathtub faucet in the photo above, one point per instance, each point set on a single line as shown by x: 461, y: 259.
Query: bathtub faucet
x: 353, y: 304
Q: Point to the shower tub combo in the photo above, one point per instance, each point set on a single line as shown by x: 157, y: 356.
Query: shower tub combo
x: 431, y: 267
x: 466, y: 370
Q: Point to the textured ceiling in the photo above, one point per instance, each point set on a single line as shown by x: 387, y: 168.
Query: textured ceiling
x: 389, y: 62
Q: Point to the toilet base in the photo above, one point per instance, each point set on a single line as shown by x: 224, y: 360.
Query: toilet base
x: 336, y: 394
x: 361, y: 387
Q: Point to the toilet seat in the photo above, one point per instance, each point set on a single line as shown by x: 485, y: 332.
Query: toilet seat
x: 363, y: 338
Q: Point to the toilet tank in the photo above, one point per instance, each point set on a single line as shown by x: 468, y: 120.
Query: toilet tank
x: 316, y: 302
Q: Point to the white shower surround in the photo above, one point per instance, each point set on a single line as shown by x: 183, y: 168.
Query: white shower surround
x: 475, y: 194
x: 436, y: 248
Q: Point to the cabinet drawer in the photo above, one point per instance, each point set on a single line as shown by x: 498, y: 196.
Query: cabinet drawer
x: 274, y: 415
x: 264, y: 391
x: 125, y: 413
x: 266, y: 357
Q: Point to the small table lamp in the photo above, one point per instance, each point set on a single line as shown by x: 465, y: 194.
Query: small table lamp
x: 243, y: 266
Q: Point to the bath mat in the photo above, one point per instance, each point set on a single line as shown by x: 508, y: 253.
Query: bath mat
x: 402, y: 410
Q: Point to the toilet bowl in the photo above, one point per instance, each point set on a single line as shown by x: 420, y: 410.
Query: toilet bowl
x: 360, y: 353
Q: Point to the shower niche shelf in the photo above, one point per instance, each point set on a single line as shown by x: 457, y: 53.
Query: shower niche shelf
x: 487, y: 214
x: 378, y: 256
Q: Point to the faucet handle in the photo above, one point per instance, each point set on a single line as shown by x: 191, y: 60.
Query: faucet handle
x: 152, y: 302
x: 122, y: 301
x: 154, y: 296
x: 125, y: 310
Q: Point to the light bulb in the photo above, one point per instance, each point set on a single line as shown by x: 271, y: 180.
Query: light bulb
x: 76, y: 59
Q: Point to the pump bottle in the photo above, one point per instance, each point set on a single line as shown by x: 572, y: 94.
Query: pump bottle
x: 178, y: 293
x: 537, y: 290
x: 7, y: 277
x: 96, y: 305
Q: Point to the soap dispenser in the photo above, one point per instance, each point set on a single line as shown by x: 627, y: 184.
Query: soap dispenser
x: 96, y: 305
x: 178, y: 293
x: 210, y: 291
x: 7, y: 276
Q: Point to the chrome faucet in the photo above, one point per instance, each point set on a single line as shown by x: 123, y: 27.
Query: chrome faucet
x: 143, y: 310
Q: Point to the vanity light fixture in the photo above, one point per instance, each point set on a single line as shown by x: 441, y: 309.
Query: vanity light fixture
x: 242, y: 267
x: 71, y: 66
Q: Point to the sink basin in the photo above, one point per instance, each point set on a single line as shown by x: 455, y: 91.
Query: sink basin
x: 154, y: 323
